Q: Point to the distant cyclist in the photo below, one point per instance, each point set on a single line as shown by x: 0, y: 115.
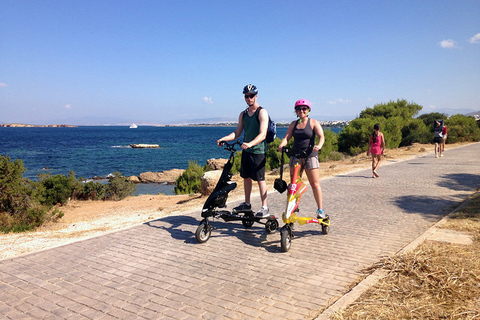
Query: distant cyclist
x: 254, y: 120
x: 303, y: 132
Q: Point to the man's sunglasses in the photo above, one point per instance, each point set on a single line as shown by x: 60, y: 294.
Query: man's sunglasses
x: 301, y: 108
x: 250, y: 96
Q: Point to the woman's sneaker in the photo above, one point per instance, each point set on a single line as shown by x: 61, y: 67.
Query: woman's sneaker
x: 321, y: 214
x: 243, y: 207
x: 263, y: 213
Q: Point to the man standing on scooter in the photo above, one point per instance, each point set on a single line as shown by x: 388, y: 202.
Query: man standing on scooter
x: 254, y: 120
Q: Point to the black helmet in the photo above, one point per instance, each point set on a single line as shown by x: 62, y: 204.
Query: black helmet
x: 250, y: 89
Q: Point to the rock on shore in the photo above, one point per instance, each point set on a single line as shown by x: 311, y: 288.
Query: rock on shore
x: 168, y: 176
x: 216, y: 164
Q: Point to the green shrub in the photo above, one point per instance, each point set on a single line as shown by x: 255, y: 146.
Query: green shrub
x: 191, y: 179
x: 415, y: 131
x: 20, y: 209
x: 273, y: 156
x: 400, y: 108
x: 119, y: 187
x: 393, y: 117
x: 15, y: 191
x: 237, y: 161
x: 461, y: 128
x: 57, y: 189
x: 330, y: 145
x: 336, y: 156
x: 392, y: 131
x: 429, y: 118
x: 353, y: 139
x: 93, y: 190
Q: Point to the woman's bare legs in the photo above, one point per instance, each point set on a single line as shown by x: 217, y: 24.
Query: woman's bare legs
x: 313, y: 179
x: 376, y: 164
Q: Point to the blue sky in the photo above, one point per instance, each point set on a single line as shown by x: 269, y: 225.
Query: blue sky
x: 82, y: 62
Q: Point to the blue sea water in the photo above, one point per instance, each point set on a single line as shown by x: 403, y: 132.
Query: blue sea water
x: 99, y: 151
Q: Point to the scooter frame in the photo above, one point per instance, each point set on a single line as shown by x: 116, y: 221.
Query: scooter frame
x: 212, y: 209
x: 295, y: 191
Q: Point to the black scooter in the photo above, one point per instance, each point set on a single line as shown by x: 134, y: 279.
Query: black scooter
x: 218, y: 198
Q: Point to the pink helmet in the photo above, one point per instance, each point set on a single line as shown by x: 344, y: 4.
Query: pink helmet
x: 303, y: 102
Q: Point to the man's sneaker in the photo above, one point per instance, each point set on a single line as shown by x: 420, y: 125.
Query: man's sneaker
x: 243, y: 207
x: 321, y: 214
x: 262, y: 213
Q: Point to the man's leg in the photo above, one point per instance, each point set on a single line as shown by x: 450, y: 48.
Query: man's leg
x: 247, y: 187
x: 262, y: 186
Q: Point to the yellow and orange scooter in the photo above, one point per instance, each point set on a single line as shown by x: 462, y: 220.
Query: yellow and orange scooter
x: 295, y: 191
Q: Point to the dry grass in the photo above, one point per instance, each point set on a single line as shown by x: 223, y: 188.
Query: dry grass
x: 435, y: 281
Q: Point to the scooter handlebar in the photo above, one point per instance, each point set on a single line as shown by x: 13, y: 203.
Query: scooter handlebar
x: 295, y: 153
x: 229, y: 146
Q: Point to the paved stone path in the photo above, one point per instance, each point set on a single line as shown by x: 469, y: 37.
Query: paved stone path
x: 158, y: 270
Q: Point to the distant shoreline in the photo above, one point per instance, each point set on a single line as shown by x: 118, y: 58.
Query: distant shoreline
x: 335, y: 124
x: 22, y: 125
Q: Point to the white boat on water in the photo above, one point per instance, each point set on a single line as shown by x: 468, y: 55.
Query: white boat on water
x: 133, y: 126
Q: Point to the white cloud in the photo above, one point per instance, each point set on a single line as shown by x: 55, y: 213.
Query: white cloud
x: 68, y: 106
x: 208, y: 100
x: 448, y: 44
x: 339, y: 101
x: 3, y: 85
x: 475, y: 38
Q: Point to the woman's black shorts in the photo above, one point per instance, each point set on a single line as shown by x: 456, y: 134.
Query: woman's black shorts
x: 253, y: 166
x: 437, y: 140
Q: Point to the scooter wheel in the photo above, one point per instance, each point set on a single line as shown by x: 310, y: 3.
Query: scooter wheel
x: 285, y: 239
x: 247, y: 223
x: 203, y: 232
x: 271, y: 226
x: 325, y: 229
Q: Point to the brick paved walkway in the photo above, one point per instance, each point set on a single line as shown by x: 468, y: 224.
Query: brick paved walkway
x: 158, y: 270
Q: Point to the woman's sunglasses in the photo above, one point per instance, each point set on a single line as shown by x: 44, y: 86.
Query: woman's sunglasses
x: 301, y: 108
x: 250, y: 96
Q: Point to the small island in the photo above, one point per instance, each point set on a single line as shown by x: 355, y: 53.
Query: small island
x: 21, y: 125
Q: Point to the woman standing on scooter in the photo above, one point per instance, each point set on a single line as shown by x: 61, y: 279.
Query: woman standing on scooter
x: 303, y: 132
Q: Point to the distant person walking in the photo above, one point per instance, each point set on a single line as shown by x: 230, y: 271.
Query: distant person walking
x: 444, y: 133
x: 376, y: 147
x: 303, y: 132
x: 254, y: 120
x: 438, y: 138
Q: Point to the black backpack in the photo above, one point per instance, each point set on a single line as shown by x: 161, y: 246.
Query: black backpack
x: 271, y: 129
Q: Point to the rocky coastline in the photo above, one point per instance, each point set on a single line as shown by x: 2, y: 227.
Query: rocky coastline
x: 168, y: 176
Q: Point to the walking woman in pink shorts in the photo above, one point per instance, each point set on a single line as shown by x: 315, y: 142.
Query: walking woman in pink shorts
x: 376, y: 146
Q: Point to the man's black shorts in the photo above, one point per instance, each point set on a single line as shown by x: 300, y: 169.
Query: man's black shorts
x: 253, y: 166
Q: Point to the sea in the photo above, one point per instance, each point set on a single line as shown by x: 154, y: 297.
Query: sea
x: 98, y: 151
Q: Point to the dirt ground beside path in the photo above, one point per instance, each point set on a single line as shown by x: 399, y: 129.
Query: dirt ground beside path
x: 86, y: 219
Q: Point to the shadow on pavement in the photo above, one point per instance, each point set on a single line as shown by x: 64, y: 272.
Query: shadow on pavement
x: 429, y: 206
x: 460, y: 182
x: 183, y: 228
x: 177, y: 227
x: 439, y: 206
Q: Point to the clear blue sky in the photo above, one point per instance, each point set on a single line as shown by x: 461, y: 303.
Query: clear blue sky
x: 173, y: 61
